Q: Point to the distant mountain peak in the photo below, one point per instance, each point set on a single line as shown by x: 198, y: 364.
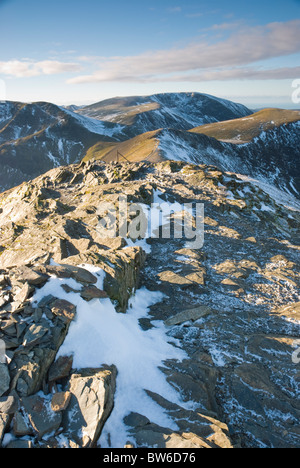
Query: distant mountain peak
x: 165, y: 110
x: 187, y: 126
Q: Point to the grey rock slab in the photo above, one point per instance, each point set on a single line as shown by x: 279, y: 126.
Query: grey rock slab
x: 15, y: 258
x: 20, y: 444
x: 30, y: 276
x: 187, y: 315
x: 89, y: 293
x: 8, y: 405
x: 21, y: 427
x: 64, y: 310
x: 70, y: 271
x: 24, y: 293
x: 4, y: 422
x: 41, y: 417
x: 4, y: 379
x: 61, y: 368
x: 34, y: 333
x: 31, y: 368
x: 193, y: 426
x: 91, y: 403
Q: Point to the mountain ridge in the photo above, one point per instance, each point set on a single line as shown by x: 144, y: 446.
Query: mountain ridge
x: 171, y: 110
x: 272, y: 156
x: 249, y: 127
x: 35, y: 137
x: 230, y: 304
x: 73, y: 302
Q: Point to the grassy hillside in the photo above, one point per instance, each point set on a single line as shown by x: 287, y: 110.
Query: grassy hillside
x: 141, y: 148
x: 118, y: 110
x: 245, y: 129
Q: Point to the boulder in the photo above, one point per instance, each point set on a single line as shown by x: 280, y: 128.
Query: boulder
x: 19, y: 444
x: 70, y: 271
x: 122, y: 278
x: 61, y: 368
x: 190, y: 314
x: 88, y: 293
x: 29, y: 276
x: 60, y: 401
x: 63, y: 310
x: 41, y: 417
x: 29, y: 256
x: 92, y: 398
x: 21, y: 427
x: 195, y: 430
x: 34, y: 333
x: 30, y: 369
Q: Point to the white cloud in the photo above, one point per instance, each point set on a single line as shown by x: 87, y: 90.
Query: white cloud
x: 247, y: 73
x: 29, y: 68
x: 226, y: 26
x: 194, y: 15
x: 228, y: 57
x: 176, y: 9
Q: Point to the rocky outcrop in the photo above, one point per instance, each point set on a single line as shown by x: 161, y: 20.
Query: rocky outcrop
x: 31, y: 334
x: 92, y: 399
x: 232, y: 306
x: 39, y: 136
x: 195, y: 430
x: 72, y: 418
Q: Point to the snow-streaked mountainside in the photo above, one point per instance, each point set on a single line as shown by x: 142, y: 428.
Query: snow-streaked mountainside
x: 37, y: 137
x: 191, y: 127
x: 179, y: 111
x: 272, y: 157
x: 19, y: 120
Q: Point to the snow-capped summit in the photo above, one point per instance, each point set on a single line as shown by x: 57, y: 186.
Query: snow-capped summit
x: 171, y: 110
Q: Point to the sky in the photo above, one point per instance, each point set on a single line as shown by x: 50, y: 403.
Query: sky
x: 81, y: 52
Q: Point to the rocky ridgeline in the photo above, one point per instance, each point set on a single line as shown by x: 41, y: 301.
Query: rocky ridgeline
x: 33, y: 334
x: 233, y: 306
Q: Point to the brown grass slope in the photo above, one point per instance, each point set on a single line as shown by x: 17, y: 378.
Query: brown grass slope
x: 246, y: 129
x: 141, y: 148
x: 118, y: 110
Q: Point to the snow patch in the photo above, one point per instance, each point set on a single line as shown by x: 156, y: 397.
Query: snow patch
x: 96, y: 126
x: 279, y: 196
x: 101, y: 336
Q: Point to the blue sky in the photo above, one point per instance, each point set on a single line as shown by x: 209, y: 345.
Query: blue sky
x: 85, y: 51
